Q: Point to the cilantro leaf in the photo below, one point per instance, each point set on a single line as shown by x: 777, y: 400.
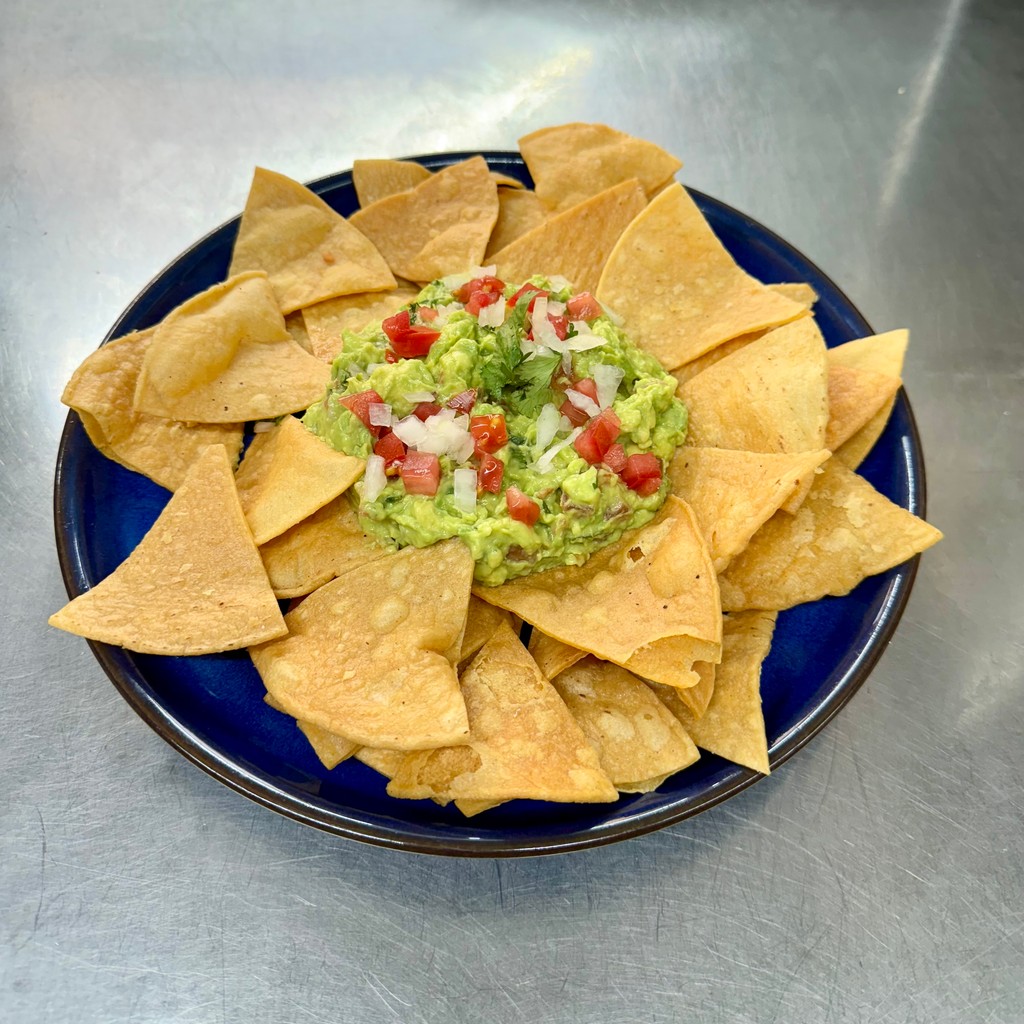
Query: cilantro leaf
x: 531, y: 386
x: 498, y: 371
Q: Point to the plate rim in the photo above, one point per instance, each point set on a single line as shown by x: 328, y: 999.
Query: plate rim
x: 131, y: 683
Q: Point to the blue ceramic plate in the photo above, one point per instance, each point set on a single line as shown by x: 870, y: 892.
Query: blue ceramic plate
x: 211, y: 708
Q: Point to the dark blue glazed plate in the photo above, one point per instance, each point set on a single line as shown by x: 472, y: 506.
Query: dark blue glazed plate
x: 211, y: 708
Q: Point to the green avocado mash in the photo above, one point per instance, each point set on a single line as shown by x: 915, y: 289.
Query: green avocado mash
x: 577, y: 502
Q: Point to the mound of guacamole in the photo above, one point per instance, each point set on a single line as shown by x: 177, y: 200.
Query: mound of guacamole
x: 516, y: 416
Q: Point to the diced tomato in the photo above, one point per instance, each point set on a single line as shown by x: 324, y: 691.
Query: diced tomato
x: 421, y: 472
x: 528, y: 288
x: 642, y: 473
x: 478, y: 300
x: 560, y: 324
x: 463, y: 401
x: 490, y: 473
x: 359, y: 405
x: 583, y: 307
x: 521, y: 507
x: 426, y: 313
x: 588, y: 387
x: 486, y: 284
x: 615, y: 458
x: 390, y: 357
x: 408, y: 340
x: 425, y: 409
x: 595, y: 441
x: 391, y: 449
x: 577, y: 417
x: 489, y: 433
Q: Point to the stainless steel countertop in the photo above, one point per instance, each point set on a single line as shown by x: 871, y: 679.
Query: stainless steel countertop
x: 875, y: 877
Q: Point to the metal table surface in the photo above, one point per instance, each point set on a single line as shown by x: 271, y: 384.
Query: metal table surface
x: 875, y: 877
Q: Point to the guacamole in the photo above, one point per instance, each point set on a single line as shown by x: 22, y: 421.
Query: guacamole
x: 518, y: 418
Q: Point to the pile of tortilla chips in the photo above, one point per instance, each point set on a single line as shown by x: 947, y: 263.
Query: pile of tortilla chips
x: 650, y: 650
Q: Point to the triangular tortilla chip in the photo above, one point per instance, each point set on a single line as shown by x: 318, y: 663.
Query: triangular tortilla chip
x: 296, y: 327
x: 574, y: 243
x: 553, y: 656
x: 844, y: 532
x: 439, y: 227
x: 371, y: 655
x: 636, y: 737
x: 733, y: 724
x: 678, y: 289
x: 387, y: 762
x: 657, y: 585
x: 378, y: 179
x: 327, y: 544
x: 327, y: 321
x: 694, y: 699
x: 310, y: 252
x: 797, y: 292
x: 771, y: 396
x: 287, y: 474
x: 102, y: 392
x: 572, y: 162
x: 194, y: 584
x: 854, y: 397
x: 690, y: 370
x: 523, y: 743
x: 733, y: 493
x: 330, y: 749
x: 482, y: 622
x: 225, y: 356
x: 519, y: 211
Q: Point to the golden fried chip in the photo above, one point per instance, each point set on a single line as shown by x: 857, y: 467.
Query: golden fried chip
x: 771, y: 396
x: 287, y: 474
x: 296, y: 327
x: 506, y: 180
x: 102, y: 391
x: 371, y: 655
x: 225, y: 356
x: 523, y: 743
x: 482, y: 622
x: 798, y: 292
x: 378, y: 179
x: 690, y: 370
x: 733, y: 724
x: 194, y: 584
x: 855, y: 396
x: 694, y: 699
x: 439, y: 227
x: 657, y: 586
x: 636, y: 737
x: 387, y: 762
x: 677, y: 287
x: 327, y: 321
x: 327, y: 544
x: 553, y: 656
x: 310, y: 252
x: 576, y: 242
x: 572, y: 162
x: 733, y: 493
x: 844, y: 532
x: 331, y: 749
x: 519, y: 211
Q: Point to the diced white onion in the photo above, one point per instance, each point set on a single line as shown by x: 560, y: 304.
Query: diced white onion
x: 558, y: 282
x: 374, y: 478
x: 612, y: 315
x: 584, y: 341
x: 453, y: 281
x: 465, y: 489
x: 419, y: 396
x: 607, y: 378
x: 444, y: 436
x: 354, y: 370
x: 567, y: 363
x: 564, y: 424
x: 582, y: 402
x: 380, y: 414
x: 263, y: 426
x: 547, y: 426
x: 543, y: 464
x: 556, y: 308
x: 492, y: 315
x: 410, y: 431
x: 374, y: 366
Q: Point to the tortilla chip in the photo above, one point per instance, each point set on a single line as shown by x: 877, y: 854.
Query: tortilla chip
x: 287, y: 474
x: 519, y: 211
x: 656, y: 586
x: 370, y: 658
x: 225, y: 356
x: 482, y: 622
x: 327, y: 321
x: 194, y: 584
x: 327, y: 544
x: 690, y: 370
x: 523, y: 743
x: 844, y: 532
x: 330, y: 749
x: 387, y: 762
x: 636, y: 737
x: 677, y: 287
x: 733, y: 724
x: 854, y: 397
x: 771, y: 396
x: 378, y: 179
x: 506, y: 180
x: 733, y: 493
x: 694, y: 699
x: 799, y: 292
x: 440, y: 227
x: 310, y: 252
x: 102, y: 390
x: 574, y: 243
x: 570, y: 163
x: 553, y: 656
